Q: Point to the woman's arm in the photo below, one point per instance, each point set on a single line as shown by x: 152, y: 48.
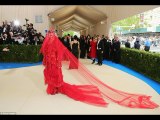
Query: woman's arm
x: 71, y: 45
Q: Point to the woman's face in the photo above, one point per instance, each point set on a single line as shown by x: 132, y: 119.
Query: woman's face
x: 95, y: 39
x: 116, y: 38
x: 5, y: 35
x: 11, y: 34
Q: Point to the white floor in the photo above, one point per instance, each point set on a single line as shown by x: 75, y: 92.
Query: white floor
x: 22, y: 91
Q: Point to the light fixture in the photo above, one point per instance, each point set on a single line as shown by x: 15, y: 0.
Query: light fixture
x: 102, y: 22
x: 52, y: 19
x: 16, y: 23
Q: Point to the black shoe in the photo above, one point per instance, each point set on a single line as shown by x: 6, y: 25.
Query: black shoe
x: 93, y: 61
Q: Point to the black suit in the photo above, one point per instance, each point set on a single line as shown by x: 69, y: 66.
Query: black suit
x: 82, y: 48
x: 100, y: 49
x: 66, y: 44
x: 116, y: 51
x: 127, y: 45
x: 105, y: 48
x: 108, y: 49
x: 1, y: 41
x: 111, y: 53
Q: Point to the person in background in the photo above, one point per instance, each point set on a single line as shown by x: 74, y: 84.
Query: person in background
x: 66, y: 42
x: 20, y: 39
x: 133, y: 39
x: 105, y: 47
x: 93, y: 47
x: 137, y: 44
x: 147, y: 44
x: 11, y: 38
x: 1, y: 40
x: 111, y: 55
x: 6, y: 49
x: 75, y: 47
x: 5, y: 39
x: 100, y: 49
x: 116, y: 50
x: 127, y: 44
x: 108, y: 48
x: 87, y: 45
x: 1, y: 30
x: 82, y: 47
x: 69, y: 38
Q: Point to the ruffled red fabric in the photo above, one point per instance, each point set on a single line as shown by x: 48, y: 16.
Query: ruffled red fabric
x: 95, y: 91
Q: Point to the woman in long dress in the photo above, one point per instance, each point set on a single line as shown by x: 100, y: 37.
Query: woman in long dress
x: 93, y: 49
x: 94, y: 91
x: 75, y: 47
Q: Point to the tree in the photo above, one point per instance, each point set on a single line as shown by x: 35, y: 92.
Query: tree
x: 133, y: 20
x: 68, y: 32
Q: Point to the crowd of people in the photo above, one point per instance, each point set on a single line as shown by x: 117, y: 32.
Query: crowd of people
x: 141, y: 42
x: 100, y: 47
x: 14, y: 34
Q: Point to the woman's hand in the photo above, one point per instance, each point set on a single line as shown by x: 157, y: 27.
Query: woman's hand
x: 5, y: 49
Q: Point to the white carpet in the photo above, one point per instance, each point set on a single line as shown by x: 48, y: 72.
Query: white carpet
x: 22, y: 91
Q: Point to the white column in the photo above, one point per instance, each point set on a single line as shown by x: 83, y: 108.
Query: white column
x: 109, y: 31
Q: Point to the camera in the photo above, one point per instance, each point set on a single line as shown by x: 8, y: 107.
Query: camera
x: 26, y: 19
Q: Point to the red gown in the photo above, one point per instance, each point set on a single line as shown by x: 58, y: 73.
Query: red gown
x: 95, y: 91
x: 93, y: 49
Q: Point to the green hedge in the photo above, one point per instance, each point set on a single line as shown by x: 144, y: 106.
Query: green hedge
x: 146, y: 63
x: 21, y: 53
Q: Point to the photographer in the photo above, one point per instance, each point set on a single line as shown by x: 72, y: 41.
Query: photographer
x: 36, y: 40
x: 31, y: 34
x: 1, y: 40
x: 25, y: 36
x: 11, y: 38
x: 5, y: 39
x: 41, y: 38
x: 4, y: 50
x: 1, y: 30
x: 20, y: 39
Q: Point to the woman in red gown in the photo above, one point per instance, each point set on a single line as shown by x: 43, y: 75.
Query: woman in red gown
x: 53, y: 53
x: 95, y: 91
x: 93, y: 49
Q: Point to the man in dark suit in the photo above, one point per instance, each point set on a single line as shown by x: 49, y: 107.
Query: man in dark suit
x: 127, y: 44
x: 1, y: 30
x: 137, y: 44
x: 116, y: 50
x: 108, y: 48
x: 105, y: 47
x: 100, y: 49
x: 112, y: 50
x: 66, y: 43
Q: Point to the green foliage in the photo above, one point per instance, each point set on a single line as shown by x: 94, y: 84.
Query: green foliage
x: 127, y: 22
x: 146, y: 63
x: 68, y: 32
x: 21, y: 53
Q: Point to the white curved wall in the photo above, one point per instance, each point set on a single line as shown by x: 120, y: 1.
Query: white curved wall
x: 114, y: 13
